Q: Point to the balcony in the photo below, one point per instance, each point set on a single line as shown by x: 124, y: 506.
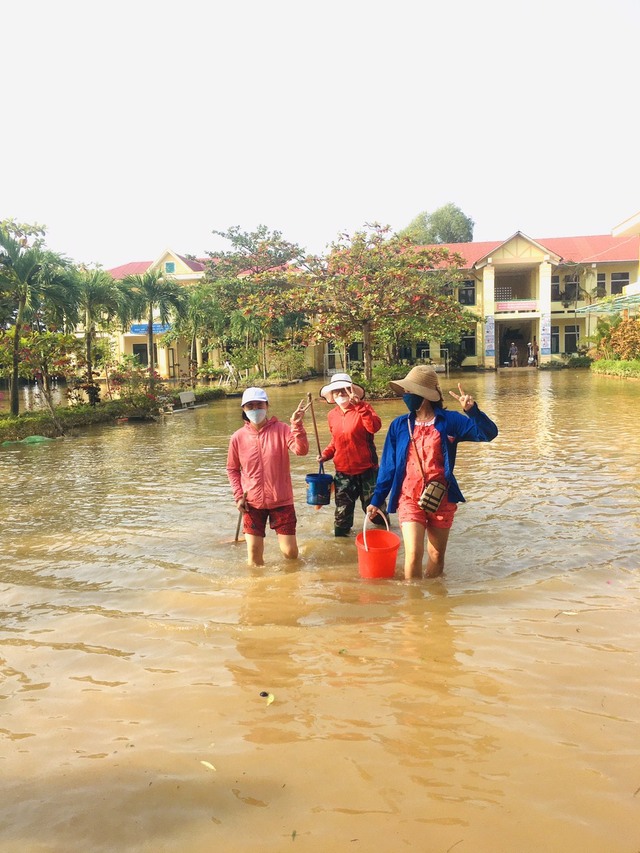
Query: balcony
x: 517, y: 306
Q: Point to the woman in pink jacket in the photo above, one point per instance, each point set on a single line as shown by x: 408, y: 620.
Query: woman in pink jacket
x: 260, y: 474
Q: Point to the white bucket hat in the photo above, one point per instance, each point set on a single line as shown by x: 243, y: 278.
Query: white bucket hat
x: 252, y: 395
x: 340, y: 380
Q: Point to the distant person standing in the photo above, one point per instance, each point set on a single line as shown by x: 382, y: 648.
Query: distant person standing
x: 536, y: 351
x: 513, y: 354
x: 353, y: 424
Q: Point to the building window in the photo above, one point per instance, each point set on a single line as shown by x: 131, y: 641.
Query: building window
x: 355, y: 352
x: 141, y: 352
x: 468, y: 343
x: 618, y: 281
x: 555, y: 288
x: 555, y: 340
x: 169, y: 267
x: 503, y: 293
x: 601, y: 287
x: 467, y: 293
x: 570, y: 338
x: 571, y: 288
x: 423, y: 349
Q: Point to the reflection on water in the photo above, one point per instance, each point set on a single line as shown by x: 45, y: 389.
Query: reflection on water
x: 493, y: 709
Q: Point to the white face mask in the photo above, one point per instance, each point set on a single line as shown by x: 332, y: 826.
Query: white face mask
x: 343, y: 400
x: 256, y: 416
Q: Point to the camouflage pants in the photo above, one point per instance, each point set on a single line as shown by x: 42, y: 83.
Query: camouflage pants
x: 348, y: 489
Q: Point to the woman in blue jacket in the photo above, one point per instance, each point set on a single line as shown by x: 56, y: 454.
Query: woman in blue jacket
x: 420, y: 448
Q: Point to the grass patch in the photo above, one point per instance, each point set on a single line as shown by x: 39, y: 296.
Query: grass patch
x: 625, y: 369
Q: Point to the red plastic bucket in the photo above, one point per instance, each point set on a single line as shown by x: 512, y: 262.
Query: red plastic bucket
x: 377, y: 551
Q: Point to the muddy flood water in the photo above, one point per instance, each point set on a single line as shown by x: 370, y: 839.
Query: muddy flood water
x: 495, y: 709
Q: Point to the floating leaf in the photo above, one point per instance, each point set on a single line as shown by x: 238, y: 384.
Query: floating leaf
x: 270, y: 698
x: 208, y: 765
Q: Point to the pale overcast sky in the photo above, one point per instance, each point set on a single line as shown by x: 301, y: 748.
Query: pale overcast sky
x: 132, y: 127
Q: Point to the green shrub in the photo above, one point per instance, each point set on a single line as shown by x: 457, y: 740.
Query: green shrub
x: 579, y: 361
x: 381, y: 375
x: 630, y: 369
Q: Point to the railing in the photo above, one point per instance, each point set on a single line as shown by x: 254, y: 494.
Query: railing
x: 515, y: 306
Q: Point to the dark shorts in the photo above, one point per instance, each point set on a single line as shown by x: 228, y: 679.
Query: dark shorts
x: 282, y: 519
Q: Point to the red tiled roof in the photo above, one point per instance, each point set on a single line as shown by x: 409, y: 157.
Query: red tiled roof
x: 585, y: 250
x: 596, y: 249
x: 601, y: 248
x: 140, y: 267
x: 471, y: 252
x: 196, y: 266
x: 132, y: 268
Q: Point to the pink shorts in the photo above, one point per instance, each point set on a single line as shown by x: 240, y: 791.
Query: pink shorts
x: 282, y: 519
x: 408, y: 510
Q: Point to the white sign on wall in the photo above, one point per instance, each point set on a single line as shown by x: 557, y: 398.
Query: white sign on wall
x: 545, y: 334
x: 490, y: 336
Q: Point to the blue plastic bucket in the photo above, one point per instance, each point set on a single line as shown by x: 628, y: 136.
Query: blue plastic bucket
x: 318, y: 488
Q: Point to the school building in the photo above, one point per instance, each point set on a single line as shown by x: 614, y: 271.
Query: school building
x: 523, y: 290
x: 527, y: 290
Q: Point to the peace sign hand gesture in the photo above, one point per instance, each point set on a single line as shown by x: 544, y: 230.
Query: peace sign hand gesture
x: 298, y: 415
x: 466, y: 400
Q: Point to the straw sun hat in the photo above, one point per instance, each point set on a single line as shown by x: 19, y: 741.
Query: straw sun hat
x: 340, y: 380
x: 422, y: 380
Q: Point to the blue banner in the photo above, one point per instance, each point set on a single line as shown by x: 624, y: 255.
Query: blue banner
x: 141, y: 328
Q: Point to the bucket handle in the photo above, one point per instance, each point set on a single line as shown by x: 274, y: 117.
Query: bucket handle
x: 364, y: 528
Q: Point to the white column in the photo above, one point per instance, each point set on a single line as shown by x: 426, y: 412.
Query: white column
x: 488, y: 307
x: 544, y: 305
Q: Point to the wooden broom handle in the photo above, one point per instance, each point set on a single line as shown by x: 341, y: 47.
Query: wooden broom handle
x: 315, y: 425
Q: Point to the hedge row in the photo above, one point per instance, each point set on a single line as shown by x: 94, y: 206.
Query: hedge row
x: 628, y: 369
x: 74, y: 417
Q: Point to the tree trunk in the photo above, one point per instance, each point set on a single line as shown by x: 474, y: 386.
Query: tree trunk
x: 150, y: 359
x: 15, y: 391
x: 194, y: 362
x: 366, y: 351
x: 48, y: 398
x: 88, y: 330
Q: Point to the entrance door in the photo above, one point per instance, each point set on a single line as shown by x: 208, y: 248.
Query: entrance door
x: 171, y: 359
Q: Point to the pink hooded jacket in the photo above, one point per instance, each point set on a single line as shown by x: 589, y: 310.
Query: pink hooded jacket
x: 258, y: 462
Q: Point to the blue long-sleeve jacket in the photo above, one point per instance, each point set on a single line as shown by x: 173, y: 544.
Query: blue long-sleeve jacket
x: 474, y: 425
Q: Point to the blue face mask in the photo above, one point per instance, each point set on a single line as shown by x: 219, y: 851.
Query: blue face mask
x: 256, y: 416
x: 412, y: 401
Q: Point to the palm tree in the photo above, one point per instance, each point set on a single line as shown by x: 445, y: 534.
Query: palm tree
x: 30, y: 276
x: 149, y: 295
x: 99, y: 300
x: 202, y: 318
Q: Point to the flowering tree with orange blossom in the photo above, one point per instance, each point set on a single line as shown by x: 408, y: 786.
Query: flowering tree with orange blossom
x: 380, y: 289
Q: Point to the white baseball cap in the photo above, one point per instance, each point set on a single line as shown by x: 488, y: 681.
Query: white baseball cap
x: 252, y: 395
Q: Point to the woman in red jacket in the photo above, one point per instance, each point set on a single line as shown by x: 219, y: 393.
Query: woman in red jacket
x: 260, y: 475
x: 353, y: 423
